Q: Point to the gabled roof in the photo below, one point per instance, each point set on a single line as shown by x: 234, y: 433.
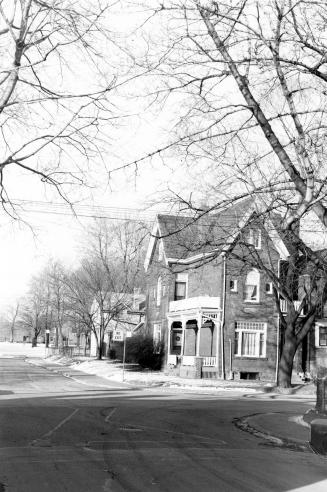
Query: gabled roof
x: 186, y: 240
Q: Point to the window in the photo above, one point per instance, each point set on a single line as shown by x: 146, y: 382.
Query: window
x: 254, y: 238
x: 320, y: 335
x: 161, y: 250
x: 233, y: 285
x: 323, y: 336
x: 250, y: 339
x: 159, y: 289
x: 156, y: 333
x: 252, y: 286
x: 180, y: 287
x: 269, y: 288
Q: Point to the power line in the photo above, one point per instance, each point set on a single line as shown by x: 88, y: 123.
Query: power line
x: 87, y: 211
x: 114, y: 213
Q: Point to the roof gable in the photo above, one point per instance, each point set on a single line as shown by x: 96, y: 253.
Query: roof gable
x: 186, y: 240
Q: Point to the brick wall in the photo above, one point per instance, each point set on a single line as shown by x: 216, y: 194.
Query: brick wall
x: 237, y: 309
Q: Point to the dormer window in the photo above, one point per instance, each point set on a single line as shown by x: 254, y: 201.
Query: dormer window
x: 252, y: 286
x: 254, y: 238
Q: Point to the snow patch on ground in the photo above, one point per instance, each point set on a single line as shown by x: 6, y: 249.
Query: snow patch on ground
x: 113, y: 371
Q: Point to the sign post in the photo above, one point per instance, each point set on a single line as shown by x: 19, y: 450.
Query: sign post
x: 120, y: 336
x: 127, y: 334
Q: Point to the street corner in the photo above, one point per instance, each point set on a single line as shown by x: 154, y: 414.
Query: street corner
x: 277, y: 429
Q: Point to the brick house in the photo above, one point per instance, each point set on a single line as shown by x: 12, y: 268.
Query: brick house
x: 216, y: 314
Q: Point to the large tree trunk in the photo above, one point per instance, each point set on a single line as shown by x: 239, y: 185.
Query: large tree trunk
x: 285, y: 368
x: 100, y: 351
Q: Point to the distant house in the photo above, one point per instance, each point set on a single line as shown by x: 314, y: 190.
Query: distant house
x: 216, y: 314
x: 130, y: 318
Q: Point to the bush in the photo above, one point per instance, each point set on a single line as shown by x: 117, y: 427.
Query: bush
x: 140, y: 349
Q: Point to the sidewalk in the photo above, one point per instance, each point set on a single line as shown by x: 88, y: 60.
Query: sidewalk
x: 285, y: 427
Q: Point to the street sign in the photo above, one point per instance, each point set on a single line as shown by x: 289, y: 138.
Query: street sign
x: 128, y: 334
x: 118, y: 336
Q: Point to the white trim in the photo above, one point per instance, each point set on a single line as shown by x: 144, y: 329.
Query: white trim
x: 192, y: 259
x: 155, y: 236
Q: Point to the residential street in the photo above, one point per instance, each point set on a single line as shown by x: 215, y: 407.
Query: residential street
x: 87, y: 435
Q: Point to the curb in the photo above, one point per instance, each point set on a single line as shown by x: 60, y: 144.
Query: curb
x: 243, y: 424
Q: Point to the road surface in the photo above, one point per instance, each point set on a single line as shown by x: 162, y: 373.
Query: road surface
x: 84, y: 434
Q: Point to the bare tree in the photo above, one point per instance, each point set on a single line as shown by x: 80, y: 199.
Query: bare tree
x: 53, y: 90
x: 250, y: 79
x: 94, y: 298
x: 34, y: 311
x: 12, y: 318
x: 57, y: 298
x: 120, y: 248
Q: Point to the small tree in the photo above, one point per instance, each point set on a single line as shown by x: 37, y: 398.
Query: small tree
x: 12, y: 318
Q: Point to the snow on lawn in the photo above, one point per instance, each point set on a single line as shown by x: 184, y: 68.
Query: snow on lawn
x: 113, y: 370
x: 8, y: 349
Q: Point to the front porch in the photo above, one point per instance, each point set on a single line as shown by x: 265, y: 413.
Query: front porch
x: 194, y: 338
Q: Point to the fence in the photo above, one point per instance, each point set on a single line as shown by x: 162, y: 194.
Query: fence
x: 69, y: 351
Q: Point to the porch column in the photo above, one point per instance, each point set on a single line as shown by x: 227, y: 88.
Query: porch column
x: 169, y: 335
x: 198, y: 338
x: 183, y: 334
x: 218, y: 325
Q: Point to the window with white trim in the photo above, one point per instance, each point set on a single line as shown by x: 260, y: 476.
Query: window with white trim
x: 180, y: 286
x: 254, y: 238
x: 321, y: 335
x: 252, y: 286
x: 233, y: 285
x: 268, y: 287
x: 156, y: 333
x: 250, y: 339
x: 159, y: 290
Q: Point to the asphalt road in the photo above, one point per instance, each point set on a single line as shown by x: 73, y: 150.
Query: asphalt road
x: 88, y: 435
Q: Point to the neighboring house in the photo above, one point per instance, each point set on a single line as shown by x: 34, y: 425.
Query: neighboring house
x: 216, y: 315
x: 130, y: 317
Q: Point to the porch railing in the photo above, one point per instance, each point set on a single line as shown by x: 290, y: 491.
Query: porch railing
x: 209, y: 361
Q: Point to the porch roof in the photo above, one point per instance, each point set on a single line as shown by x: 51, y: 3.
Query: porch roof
x: 196, y: 304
